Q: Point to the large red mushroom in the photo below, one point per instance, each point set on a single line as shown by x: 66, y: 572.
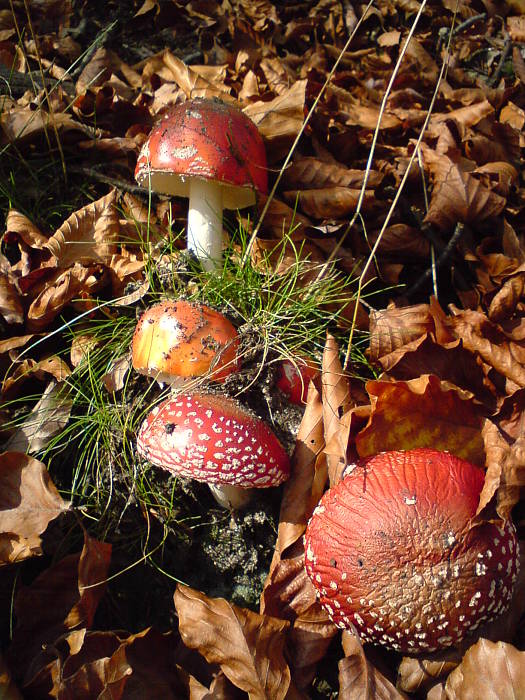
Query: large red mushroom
x: 213, y: 439
x: 392, y: 549
x: 211, y: 152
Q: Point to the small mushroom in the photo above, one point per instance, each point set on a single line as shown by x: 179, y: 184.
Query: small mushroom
x: 176, y: 338
x: 293, y: 378
x: 392, y: 550
x: 213, y: 439
x: 212, y: 153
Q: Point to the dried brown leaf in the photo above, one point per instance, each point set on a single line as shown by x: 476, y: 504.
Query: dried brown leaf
x: 89, y: 235
x: 247, y: 646
x: 49, y: 416
x: 416, y: 673
x: 330, y: 202
x: 503, y: 305
x: 308, y: 172
x: 63, y: 597
x: 480, y: 336
x: 191, y: 80
x: 422, y: 412
x: 10, y: 305
x: 359, y: 679
x: 280, y: 120
x: 457, y: 195
x: 28, y: 502
x: 63, y: 287
x: 392, y: 328
x: 494, y: 670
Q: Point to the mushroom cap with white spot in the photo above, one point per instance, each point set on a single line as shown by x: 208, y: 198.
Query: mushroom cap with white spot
x: 211, y: 438
x: 393, y: 550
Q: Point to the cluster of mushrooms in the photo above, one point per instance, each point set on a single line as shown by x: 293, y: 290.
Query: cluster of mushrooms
x: 392, y: 549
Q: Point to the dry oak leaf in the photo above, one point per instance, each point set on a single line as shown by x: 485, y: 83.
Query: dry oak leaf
x: 28, y: 503
x: 422, y: 412
x: 359, y: 679
x: 247, y: 646
x: 63, y: 597
x: 457, y: 196
x: 489, y: 670
x: 89, y: 235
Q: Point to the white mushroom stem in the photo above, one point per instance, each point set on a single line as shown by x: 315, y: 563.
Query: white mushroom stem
x: 231, y: 497
x: 205, y: 222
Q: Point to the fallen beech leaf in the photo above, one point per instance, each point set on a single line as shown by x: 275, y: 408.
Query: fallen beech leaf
x: 280, y: 120
x: 312, y: 173
x: 330, y: 202
x: 479, y: 335
x: 422, y: 412
x: 89, y: 235
x: 62, y: 598
x: 336, y: 402
x: 48, y: 417
x: 65, y: 286
x: 488, y: 670
x: 10, y: 306
x: 247, y: 646
x: 392, y: 328
x: 416, y: 673
x: 28, y: 503
x: 309, y: 638
x: 504, y: 303
x: 457, y: 195
x: 359, y: 679
x: 192, y: 82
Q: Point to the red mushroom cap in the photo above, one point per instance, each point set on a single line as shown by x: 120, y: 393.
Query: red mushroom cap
x: 293, y: 378
x: 177, y: 338
x: 211, y: 438
x: 205, y: 139
x: 390, y: 549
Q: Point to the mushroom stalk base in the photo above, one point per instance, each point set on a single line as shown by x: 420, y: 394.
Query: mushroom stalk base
x: 231, y: 497
x: 205, y: 223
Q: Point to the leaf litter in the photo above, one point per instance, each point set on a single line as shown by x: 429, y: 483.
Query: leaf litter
x: 443, y: 306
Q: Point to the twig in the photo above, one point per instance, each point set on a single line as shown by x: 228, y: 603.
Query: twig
x: 443, y: 257
x: 507, y: 46
x: 123, y: 185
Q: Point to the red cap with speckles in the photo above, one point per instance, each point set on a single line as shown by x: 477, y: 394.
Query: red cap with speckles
x: 212, y: 439
x: 392, y: 550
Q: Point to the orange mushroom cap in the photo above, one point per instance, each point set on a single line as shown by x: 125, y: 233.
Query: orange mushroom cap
x: 177, y: 338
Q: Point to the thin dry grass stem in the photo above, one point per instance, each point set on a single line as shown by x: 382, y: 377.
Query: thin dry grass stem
x: 44, y: 86
x: 441, y: 76
x: 432, y: 247
x: 301, y: 131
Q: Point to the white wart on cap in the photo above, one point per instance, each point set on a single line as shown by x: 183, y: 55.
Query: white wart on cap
x: 212, y: 439
x: 391, y: 549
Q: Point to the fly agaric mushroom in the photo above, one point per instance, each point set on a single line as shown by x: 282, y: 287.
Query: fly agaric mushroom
x: 212, y: 153
x: 213, y: 439
x: 293, y: 378
x: 392, y: 550
x: 176, y: 338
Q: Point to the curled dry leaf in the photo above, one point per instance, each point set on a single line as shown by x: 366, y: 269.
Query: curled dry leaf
x: 63, y: 597
x: 313, y: 173
x: 10, y: 305
x: 280, y: 120
x: 89, y: 235
x: 415, y: 673
x: 488, y: 340
x: 359, y: 679
x: 457, y: 195
x: 28, y: 502
x: 85, y: 665
x: 63, y: 288
x: 493, y: 670
x: 504, y: 303
x: 330, y: 202
x: 247, y: 646
x: 422, y: 412
x: 336, y: 403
